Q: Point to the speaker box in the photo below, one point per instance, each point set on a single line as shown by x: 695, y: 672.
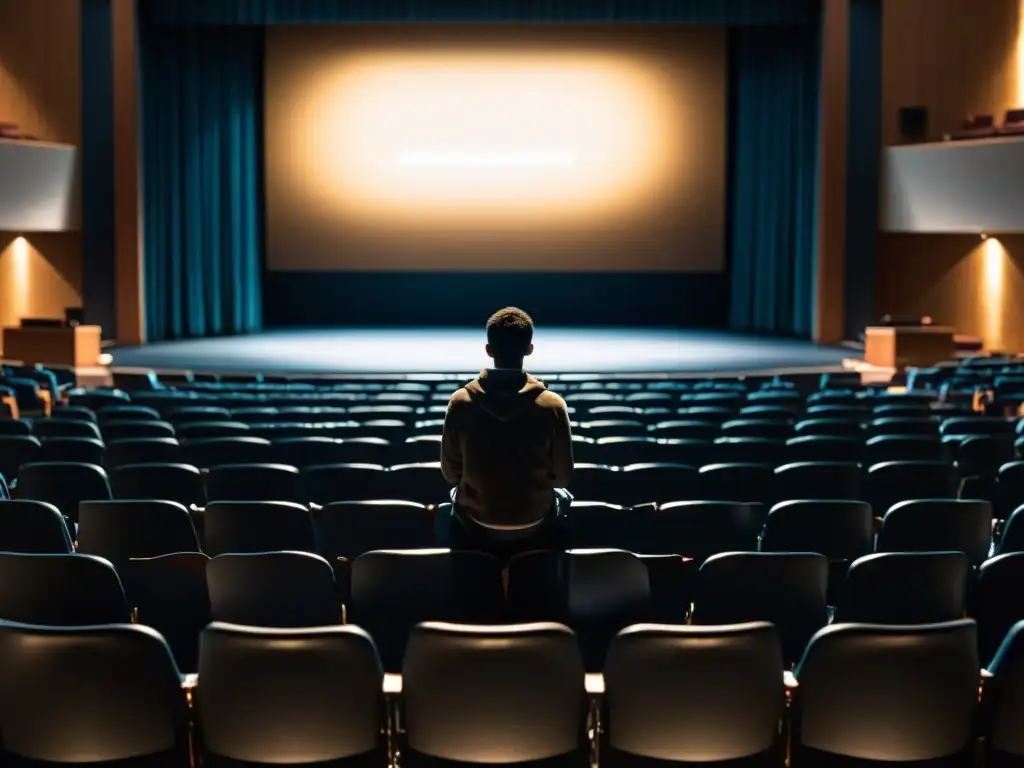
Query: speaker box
x: 913, y: 124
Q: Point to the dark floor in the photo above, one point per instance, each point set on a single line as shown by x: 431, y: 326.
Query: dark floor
x: 460, y: 350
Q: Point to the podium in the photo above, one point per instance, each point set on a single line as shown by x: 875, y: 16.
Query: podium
x: 62, y: 346
x: 917, y: 346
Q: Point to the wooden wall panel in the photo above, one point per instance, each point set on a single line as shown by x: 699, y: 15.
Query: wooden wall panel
x: 40, y: 90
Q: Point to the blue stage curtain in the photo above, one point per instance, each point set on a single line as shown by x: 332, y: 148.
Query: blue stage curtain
x: 202, y: 158
x: 773, y: 178
x: 224, y: 12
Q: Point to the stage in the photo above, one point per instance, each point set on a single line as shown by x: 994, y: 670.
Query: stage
x: 461, y: 350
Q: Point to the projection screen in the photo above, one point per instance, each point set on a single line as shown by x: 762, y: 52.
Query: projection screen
x: 495, y: 148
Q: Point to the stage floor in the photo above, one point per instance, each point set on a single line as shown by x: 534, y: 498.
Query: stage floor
x: 461, y: 350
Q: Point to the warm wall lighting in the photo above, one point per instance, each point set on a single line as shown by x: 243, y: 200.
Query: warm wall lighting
x: 21, y: 276
x: 1019, y: 54
x: 994, y: 290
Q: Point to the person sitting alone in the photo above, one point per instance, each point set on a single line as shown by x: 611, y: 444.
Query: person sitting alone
x: 507, y: 449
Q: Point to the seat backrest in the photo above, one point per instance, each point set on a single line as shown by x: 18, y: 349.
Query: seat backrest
x: 136, y: 429
x: 739, y: 482
x: 170, y: 594
x: 700, y: 529
x: 58, y: 427
x: 33, y: 527
x: 1003, y: 700
x: 219, y: 451
x: 888, y: 693
x: 393, y: 590
x: 818, y: 480
x: 655, y: 482
x: 87, y: 450
x: 61, y: 590
x: 493, y: 694
x: 273, y: 589
x: 692, y: 694
x: 886, y: 448
x: 145, y: 450
x: 110, y: 692
x: 120, y: 530
x: 997, y: 602
x: 350, y: 528
x: 304, y: 696
x: 787, y: 589
x: 421, y: 482
x: 812, y: 447
x: 938, y: 525
x: 838, y: 529
x: 905, y: 588
x: 323, y: 484
x: 182, y: 483
x: 891, y: 482
x: 254, y: 482
x: 63, y: 484
x: 257, y: 526
x: 598, y: 525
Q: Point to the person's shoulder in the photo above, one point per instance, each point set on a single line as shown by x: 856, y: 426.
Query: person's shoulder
x: 551, y: 400
x: 460, y: 397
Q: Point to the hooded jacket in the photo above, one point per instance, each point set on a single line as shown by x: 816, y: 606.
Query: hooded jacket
x: 506, y: 446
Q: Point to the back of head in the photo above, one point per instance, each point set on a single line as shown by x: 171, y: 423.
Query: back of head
x: 509, y: 337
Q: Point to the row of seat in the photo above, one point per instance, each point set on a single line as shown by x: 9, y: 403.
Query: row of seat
x: 597, y: 592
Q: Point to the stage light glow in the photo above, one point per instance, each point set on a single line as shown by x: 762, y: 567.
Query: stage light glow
x: 486, y: 160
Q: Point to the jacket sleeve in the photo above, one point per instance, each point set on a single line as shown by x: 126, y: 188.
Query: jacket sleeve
x: 451, y: 448
x: 561, y: 448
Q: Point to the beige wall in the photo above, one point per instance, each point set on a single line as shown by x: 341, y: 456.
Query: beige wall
x: 40, y: 90
x: 956, y: 57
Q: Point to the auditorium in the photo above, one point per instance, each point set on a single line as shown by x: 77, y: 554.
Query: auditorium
x: 512, y: 383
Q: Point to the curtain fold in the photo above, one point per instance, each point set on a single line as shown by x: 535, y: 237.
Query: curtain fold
x: 773, y: 178
x: 202, y: 158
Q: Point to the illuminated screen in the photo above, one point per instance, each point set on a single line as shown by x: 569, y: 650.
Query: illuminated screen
x: 506, y: 148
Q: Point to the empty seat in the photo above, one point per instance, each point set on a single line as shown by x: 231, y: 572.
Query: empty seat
x: 599, y: 525
x: 685, y: 428
x: 350, y: 528
x: 120, y: 530
x: 700, y: 529
x: 219, y: 451
x: 107, y: 695
x: 60, y: 590
x: 894, y: 481
x: 182, y: 483
x: 314, y: 451
x: 148, y: 450
x: 33, y: 527
x: 503, y: 695
x: 63, y: 484
x: 1003, y: 703
x: 591, y: 482
x: 923, y: 425
x: 884, y: 448
x: 818, y: 480
x: 613, y: 428
x: 749, y: 483
x: 840, y: 530
x: 57, y: 427
x: 829, y: 427
x: 896, y: 695
x: 136, y: 430
x: 823, y: 448
x: 690, y: 694
x: 15, y: 427
x: 290, y: 696
x: 983, y: 456
x: 749, y: 450
x: 342, y: 482
x: 254, y: 482
x: 393, y: 590
x: 84, y: 450
x: 998, y: 601
x: 127, y: 413
x: 787, y: 589
x: 422, y: 483
x: 653, y: 483
x: 257, y: 526
x: 905, y: 588
x: 187, y: 414
x: 596, y: 592
x: 671, y: 579
x: 937, y: 525
x: 169, y: 593
x: 771, y: 429
x: 273, y: 589
x: 422, y: 448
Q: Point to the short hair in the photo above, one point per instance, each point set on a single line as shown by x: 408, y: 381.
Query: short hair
x: 510, y: 333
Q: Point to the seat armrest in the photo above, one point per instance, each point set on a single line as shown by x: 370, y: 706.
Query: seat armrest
x: 789, y: 680
x: 392, y: 685
x: 594, y: 683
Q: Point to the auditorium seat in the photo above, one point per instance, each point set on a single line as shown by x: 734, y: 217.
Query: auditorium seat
x: 740, y: 482
x: 187, y: 414
x: 254, y: 482
x: 906, y: 588
x: 15, y: 427
x: 889, y: 448
x: 273, y: 589
x: 597, y: 592
x: 699, y: 529
x: 33, y: 527
x: 169, y: 593
x: 58, y: 427
x: 1009, y: 489
x: 221, y: 451
x: 151, y: 450
x: 303, y: 452
x: 623, y: 451
x: 787, y: 589
x: 686, y: 429
x: 290, y: 696
x: 182, y: 483
x: 591, y: 482
x: 135, y: 430
x: 119, y: 412
x: 684, y: 695
x: 815, y: 447
x: 326, y: 483
x: 829, y: 427
x: 658, y: 483
x: 16, y: 450
x: 209, y: 430
x: 394, y: 590
x: 106, y: 695
x: 82, y: 450
x: 350, y: 528
x: 894, y: 695
x: 748, y: 450
x: 818, y: 480
x: 997, y: 602
x: 508, y: 695
x: 936, y: 525
x: 257, y: 526
x: 60, y: 590
x: 1003, y: 704
x: 120, y: 530
x: 63, y: 484
x: 421, y: 482
x: 599, y: 525
x: 891, y: 482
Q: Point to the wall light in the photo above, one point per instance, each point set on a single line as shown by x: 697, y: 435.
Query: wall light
x: 984, y: 236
